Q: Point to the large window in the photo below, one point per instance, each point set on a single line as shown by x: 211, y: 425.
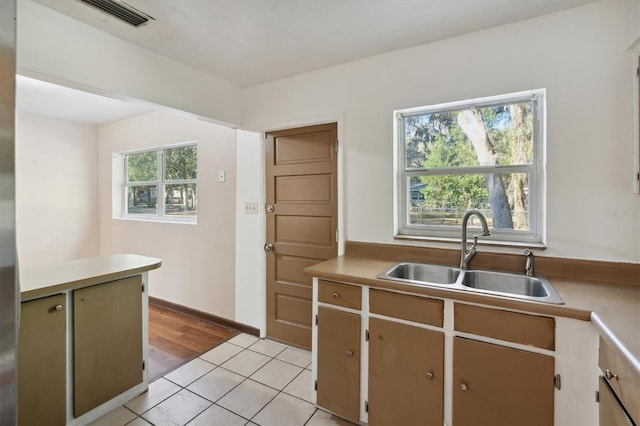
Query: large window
x: 162, y: 183
x: 485, y: 154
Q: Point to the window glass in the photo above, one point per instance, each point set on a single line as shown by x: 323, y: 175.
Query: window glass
x: 175, y: 183
x: 482, y: 154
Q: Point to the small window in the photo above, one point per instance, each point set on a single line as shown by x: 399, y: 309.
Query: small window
x: 484, y: 154
x: 161, y: 183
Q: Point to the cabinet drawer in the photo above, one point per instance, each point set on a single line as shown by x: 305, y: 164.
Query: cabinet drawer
x: 510, y: 326
x: 406, y: 307
x: 624, y: 380
x: 349, y: 296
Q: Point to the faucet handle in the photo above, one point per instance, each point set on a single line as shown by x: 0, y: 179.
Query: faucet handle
x: 528, y: 267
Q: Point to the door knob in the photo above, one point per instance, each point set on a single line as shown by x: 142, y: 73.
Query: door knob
x: 269, y: 248
x: 349, y: 353
x: 464, y: 387
x: 270, y: 208
x: 430, y: 375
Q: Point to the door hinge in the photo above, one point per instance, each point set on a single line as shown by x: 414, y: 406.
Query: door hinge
x: 366, y: 406
x: 143, y: 287
x: 315, y: 385
x: 144, y: 365
x: 366, y: 335
x: 316, y: 319
x: 337, y: 235
x: 637, y: 72
x: 337, y: 145
x: 557, y: 381
x: 598, y: 397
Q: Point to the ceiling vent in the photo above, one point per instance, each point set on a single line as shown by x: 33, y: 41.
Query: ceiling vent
x: 120, y: 10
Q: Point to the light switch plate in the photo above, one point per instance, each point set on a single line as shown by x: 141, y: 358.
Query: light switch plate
x: 221, y: 176
x: 251, y: 208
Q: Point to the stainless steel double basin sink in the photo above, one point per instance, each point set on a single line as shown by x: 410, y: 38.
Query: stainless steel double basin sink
x: 502, y: 284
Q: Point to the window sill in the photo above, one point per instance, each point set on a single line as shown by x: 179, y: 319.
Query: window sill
x: 481, y: 241
x: 157, y: 219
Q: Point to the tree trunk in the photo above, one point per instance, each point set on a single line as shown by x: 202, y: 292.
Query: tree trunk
x: 471, y: 123
x: 516, y: 186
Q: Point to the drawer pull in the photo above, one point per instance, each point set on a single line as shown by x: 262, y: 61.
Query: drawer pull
x: 430, y: 375
x: 464, y: 387
x: 335, y: 294
x: 610, y: 375
x: 349, y: 353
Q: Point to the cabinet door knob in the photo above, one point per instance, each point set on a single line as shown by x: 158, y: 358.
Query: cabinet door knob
x: 57, y: 308
x: 610, y: 375
x: 430, y: 375
x: 464, y: 387
x: 335, y: 294
x: 349, y: 353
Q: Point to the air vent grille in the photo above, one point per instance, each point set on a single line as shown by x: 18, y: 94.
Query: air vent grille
x: 120, y: 10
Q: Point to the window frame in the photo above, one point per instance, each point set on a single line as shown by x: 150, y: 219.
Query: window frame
x: 536, y: 235
x: 160, y: 184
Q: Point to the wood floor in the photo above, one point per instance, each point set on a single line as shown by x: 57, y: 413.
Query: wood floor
x: 175, y: 338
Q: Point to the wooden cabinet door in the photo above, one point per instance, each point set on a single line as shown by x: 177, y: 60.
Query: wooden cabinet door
x: 42, y: 354
x: 406, y: 374
x: 107, y: 346
x: 610, y: 411
x: 495, y: 385
x: 339, y: 362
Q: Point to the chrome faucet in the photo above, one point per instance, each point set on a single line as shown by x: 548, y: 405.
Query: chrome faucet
x: 466, y: 256
x: 528, y: 266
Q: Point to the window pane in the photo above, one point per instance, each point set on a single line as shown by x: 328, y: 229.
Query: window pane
x: 142, y: 199
x: 491, y: 135
x: 181, y: 163
x: 142, y: 166
x: 181, y: 200
x: 443, y: 200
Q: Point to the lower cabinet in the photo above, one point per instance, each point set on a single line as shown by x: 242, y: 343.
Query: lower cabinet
x: 497, y: 385
x: 338, y: 383
x: 107, y: 344
x: 42, y: 358
x: 406, y: 374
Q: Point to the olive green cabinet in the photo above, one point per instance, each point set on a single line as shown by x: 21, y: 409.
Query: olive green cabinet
x: 107, y: 344
x: 42, y: 357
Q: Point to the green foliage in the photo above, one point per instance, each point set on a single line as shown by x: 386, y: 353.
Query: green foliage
x: 181, y: 163
x: 142, y: 166
x: 436, y: 141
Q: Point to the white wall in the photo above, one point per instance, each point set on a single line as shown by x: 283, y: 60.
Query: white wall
x: 251, y: 294
x: 198, y: 261
x: 56, y: 190
x: 59, y: 49
x: 579, y: 56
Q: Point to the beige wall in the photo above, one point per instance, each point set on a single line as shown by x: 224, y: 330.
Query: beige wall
x: 198, y: 261
x: 56, y: 190
x: 580, y: 56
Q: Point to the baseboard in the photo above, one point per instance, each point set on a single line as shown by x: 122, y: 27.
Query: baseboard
x: 204, y: 316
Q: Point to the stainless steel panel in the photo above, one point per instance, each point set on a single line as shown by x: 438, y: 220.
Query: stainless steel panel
x: 8, y: 284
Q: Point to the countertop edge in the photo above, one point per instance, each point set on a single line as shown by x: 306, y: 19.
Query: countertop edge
x: 610, y: 337
x: 48, y: 280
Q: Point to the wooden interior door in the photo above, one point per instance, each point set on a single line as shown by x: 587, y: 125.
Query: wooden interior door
x: 406, y: 374
x: 302, y: 211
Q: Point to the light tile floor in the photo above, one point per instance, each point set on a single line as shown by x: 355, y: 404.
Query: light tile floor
x: 243, y: 381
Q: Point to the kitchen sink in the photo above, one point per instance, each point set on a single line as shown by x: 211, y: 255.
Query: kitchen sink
x: 521, y: 286
x: 422, y: 273
x: 488, y: 282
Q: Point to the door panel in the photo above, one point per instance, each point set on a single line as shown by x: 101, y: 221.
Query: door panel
x: 339, y: 362
x: 107, y: 346
x: 406, y: 374
x: 301, y: 174
x: 496, y: 385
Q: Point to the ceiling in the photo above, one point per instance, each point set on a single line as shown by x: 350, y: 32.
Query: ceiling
x: 249, y: 42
